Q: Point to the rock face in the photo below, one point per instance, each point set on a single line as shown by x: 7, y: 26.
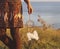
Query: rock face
x: 33, y: 35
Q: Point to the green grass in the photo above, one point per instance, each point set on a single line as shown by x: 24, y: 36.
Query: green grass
x: 48, y: 39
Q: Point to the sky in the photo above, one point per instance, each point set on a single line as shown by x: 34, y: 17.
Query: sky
x: 45, y: 0
x: 49, y: 11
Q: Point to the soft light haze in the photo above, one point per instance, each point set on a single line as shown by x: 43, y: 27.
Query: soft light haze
x: 49, y: 11
x: 44, y: 0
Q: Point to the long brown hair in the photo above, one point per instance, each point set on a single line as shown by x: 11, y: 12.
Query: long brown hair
x: 3, y: 6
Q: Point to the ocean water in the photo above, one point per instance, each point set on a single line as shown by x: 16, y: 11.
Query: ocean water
x: 49, y: 12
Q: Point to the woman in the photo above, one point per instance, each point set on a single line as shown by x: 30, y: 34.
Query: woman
x: 12, y: 10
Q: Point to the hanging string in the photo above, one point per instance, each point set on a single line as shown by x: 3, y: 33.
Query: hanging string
x: 28, y: 17
x: 28, y: 20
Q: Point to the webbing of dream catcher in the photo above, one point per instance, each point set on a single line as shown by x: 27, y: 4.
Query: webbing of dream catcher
x: 29, y: 23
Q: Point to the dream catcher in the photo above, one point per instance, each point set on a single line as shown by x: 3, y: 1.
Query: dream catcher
x: 29, y: 24
x: 31, y: 32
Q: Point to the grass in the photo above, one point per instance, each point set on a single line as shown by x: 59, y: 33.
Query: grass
x: 48, y: 39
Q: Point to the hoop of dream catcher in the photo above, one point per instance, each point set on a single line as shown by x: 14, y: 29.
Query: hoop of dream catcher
x: 29, y: 24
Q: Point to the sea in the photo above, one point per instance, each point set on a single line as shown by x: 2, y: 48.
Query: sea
x: 48, y: 11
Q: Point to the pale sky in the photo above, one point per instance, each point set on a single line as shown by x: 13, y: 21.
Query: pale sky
x: 45, y: 0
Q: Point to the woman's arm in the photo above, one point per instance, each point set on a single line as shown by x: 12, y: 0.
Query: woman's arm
x: 29, y: 6
x: 27, y: 1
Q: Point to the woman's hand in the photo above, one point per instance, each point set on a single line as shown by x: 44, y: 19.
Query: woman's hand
x: 30, y: 9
